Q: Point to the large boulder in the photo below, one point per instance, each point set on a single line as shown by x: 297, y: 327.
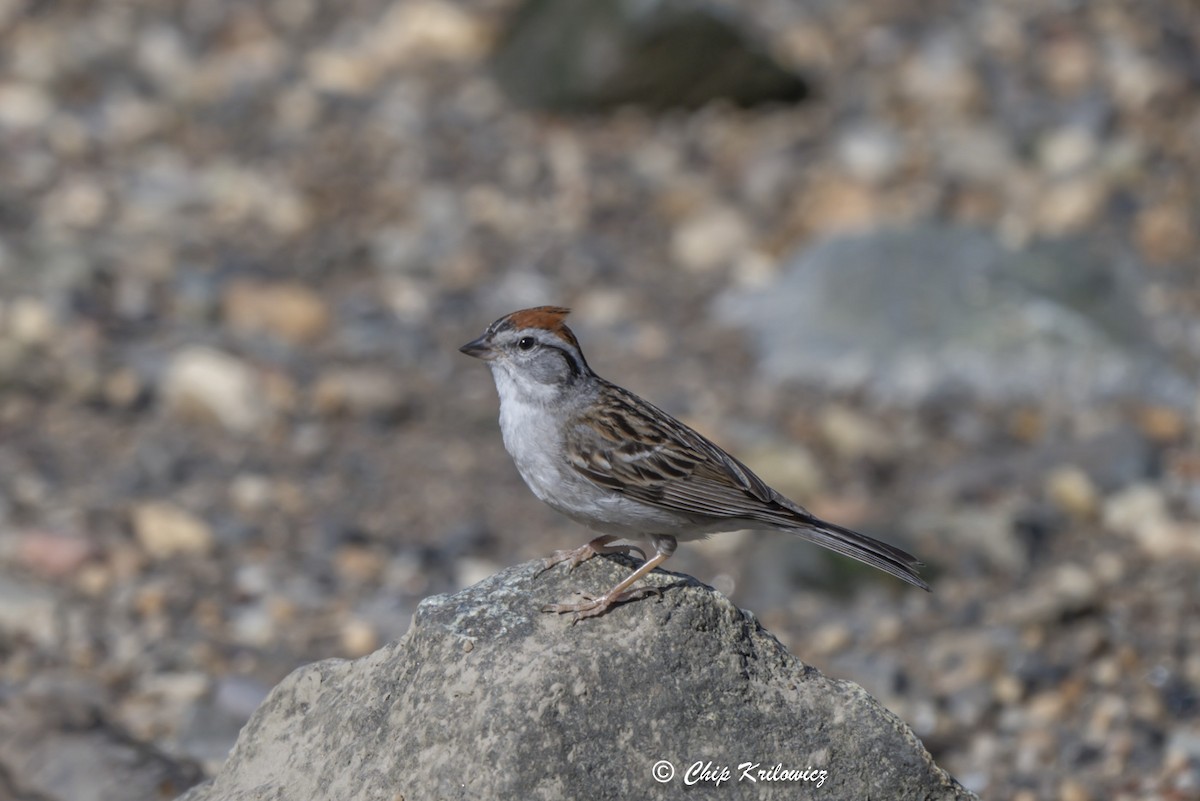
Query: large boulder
x: 913, y: 314
x: 488, y: 697
x: 594, y: 55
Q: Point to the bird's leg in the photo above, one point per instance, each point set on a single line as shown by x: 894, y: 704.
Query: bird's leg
x: 596, y: 547
x: 664, y: 546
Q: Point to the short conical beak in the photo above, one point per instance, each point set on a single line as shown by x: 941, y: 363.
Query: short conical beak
x: 479, y: 348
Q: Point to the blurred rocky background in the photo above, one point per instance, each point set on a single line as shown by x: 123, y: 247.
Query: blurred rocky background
x: 929, y: 267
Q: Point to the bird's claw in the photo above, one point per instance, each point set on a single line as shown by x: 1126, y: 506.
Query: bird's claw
x: 574, y: 557
x: 594, y: 607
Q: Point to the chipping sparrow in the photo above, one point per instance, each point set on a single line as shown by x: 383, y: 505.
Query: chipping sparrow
x: 624, y: 468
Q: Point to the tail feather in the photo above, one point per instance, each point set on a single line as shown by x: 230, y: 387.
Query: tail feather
x: 868, y: 550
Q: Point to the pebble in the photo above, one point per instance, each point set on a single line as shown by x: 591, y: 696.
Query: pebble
x: 251, y: 493
x: 358, y: 637
x: 791, y: 469
x: 165, y: 530
x: 408, y: 33
x: 1140, y: 512
x: 290, y: 312
x: 358, y: 392
x: 23, y: 107
x: 78, y: 203
x: 254, y: 625
x: 709, y: 239
x: 830, y: 639
x: 853, y: 435
x: 358, y: 565
x: 1066, y: 150
x: 836, y: 205
x: 1162, y: 424
x: 1108, y: 711
x: 1073, y: 790
x: 1134, y: 77
x: 52, y: 555
x: 1164, y: 233
x: 150, y: 601
x: 1184, y: 745
x: 472, y: 571
x: 408, y: 298
x: 986, y: 533
x: 887, y: 630
x: 974, y: 153
x: 870, y: 154
x: 177, y: 689
x: 29, y: 321
x: 1071, y: 489
x: 1134, y: 507
x: 940, y: 77
x: 1076, y: 588
x: 605, y: 306
x: 252, y: 580
x: 405, y: 573
x: 1008, y: 689
x: 240, y: 195
x: 430, y: 30
x: 284, y: 610
x: 94, y: 580
x: 123, y: 388
x: 211, y: 385
x: 1069, y: 591
x: 1068, y: 63
x: 163, y: 55
x: 1067, y: 206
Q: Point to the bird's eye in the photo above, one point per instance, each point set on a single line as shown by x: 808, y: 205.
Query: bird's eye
x: 526, y: 343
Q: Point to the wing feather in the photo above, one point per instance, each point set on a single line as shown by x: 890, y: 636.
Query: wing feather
x: 632, y: 447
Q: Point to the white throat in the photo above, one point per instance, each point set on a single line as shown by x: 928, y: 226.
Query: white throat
x: 514, y: 387
x: 532, y: 431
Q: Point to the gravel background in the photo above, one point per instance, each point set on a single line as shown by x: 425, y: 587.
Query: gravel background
x: 240, y: 244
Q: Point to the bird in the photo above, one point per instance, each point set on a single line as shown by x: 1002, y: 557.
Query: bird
x: 626, y: 469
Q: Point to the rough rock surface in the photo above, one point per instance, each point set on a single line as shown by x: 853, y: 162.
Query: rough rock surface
x: 487, y: 697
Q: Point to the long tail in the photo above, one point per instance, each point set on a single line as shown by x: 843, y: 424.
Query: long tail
x: 868, y: 550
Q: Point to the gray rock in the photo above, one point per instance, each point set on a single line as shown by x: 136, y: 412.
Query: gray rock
x: 487, y: 697
x: 911, y: 314
x: 359, y: 391
x: 587, y: 55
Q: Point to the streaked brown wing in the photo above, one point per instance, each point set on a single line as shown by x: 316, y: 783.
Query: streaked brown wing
x: 635, y: 449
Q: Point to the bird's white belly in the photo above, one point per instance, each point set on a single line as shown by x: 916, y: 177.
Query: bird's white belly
x: 536, y: 447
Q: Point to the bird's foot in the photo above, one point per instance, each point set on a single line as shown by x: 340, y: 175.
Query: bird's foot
x: 574, y: 557
x: 594, y: 607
